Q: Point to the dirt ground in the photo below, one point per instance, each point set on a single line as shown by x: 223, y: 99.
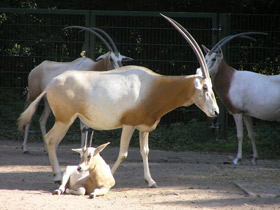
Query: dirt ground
x: 186, y: 180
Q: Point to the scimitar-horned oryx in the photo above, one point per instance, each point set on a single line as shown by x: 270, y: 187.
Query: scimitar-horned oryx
x: 41, y: 75
x: 131, y: 97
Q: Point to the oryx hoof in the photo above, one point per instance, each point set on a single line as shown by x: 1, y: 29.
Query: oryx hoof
x: 235, y: 161
x: 153, y: 186
x: 57, y: 182
x: 92, y: 195
x: 254, y: 161
x: 57, y: 192
x: 26, y: 152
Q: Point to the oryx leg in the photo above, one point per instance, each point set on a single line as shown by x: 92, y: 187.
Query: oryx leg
x: 26, y: 129
x: 84, y: 129
x: 24, y: 144
x: 80, y: 191
x: 43, y: 120
x: 239, y: 130
x: 99, y: 192
x: 251, y: 135
x: 144, y: 150
x: 52, y: 139
x: 127, y: 132
x: 65, y: 179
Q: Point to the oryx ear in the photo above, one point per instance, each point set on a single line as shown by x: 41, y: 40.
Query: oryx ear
x: 199, y: 72
x: 197, y: 83
x: 103, y: 56
x: 125, y: 58
x: 78, y: 150
x: 100, y: 148
x: 220, y: 52
x: 206, y: 50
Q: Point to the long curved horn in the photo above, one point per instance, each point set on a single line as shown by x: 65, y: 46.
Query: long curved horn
x: 228, y: 38
x: 195, y: 47
x: 95, y: 33
x: 91, y: 137
x: 108, y: 37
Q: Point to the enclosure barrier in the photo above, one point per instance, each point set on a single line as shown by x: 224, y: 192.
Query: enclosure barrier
x: 28, y: 36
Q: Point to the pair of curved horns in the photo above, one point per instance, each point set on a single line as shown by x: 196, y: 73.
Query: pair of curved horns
x: 195, y: 47
x: 226, y: 39
x: 91, y: 137
x: 93, y: 31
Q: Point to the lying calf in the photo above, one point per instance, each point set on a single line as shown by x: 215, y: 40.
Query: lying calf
x: 92, y: 176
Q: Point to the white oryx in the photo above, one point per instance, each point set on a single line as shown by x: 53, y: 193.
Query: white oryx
x: 245, y: 94
x: 92, y: 176
x: 131, y: 97
x: 41, y: 75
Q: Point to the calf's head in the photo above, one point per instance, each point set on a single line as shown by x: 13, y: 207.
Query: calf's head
x: 88, y: 156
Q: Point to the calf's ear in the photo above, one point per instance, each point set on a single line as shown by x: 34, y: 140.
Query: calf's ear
x: 100, y: 148
x: 78, y: 150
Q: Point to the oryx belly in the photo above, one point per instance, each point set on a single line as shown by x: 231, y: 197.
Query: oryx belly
x: 98, y: 99
x: 256, y: 95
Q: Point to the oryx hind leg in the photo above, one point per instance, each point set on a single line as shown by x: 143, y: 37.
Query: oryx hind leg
x: 24, y: 144
x: 99, y: 192
x: 251, y: 135
x: 52, y: 139
x: 239, y: 131
x: 43, y: 120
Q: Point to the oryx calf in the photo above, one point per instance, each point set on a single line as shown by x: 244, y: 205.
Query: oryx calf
x: 92, y: 176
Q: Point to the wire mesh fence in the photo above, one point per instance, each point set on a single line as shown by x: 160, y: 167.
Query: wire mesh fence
x: 28, y: 37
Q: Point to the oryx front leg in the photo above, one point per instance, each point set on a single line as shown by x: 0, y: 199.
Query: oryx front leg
x: 80, y: 191
x: 65, y: 179
x: 144, y: 150
x: 52, y: 139
x: 249, y: 126
x: 239, y: 130
x: 127, y: 132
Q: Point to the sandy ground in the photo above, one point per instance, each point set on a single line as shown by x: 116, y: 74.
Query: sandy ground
x: 186, y: 180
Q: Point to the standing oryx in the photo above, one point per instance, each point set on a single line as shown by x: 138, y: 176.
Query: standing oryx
x: 245, y: 94
x: 41, y: 75
x: 131, y: 97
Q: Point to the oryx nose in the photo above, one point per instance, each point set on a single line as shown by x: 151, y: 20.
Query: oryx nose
x: 216, y: 113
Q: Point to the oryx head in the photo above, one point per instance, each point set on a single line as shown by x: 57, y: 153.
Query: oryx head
x: 88, y: 155
x: 113, y: 55
x: 215, y: 56
x: 204, y: 95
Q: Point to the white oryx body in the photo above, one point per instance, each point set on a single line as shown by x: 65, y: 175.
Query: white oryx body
x: 245, y: 94
x: 130, y: 98
x: 41, y: 75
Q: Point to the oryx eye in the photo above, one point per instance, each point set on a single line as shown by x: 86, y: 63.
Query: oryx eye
x: 88, y: 157
x: 204, y: 87
x: 214, y: 59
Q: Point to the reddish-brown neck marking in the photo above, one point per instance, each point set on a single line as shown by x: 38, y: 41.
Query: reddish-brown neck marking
x: 222, y: 83
x: 102, y: 65
x: 166, y: 94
